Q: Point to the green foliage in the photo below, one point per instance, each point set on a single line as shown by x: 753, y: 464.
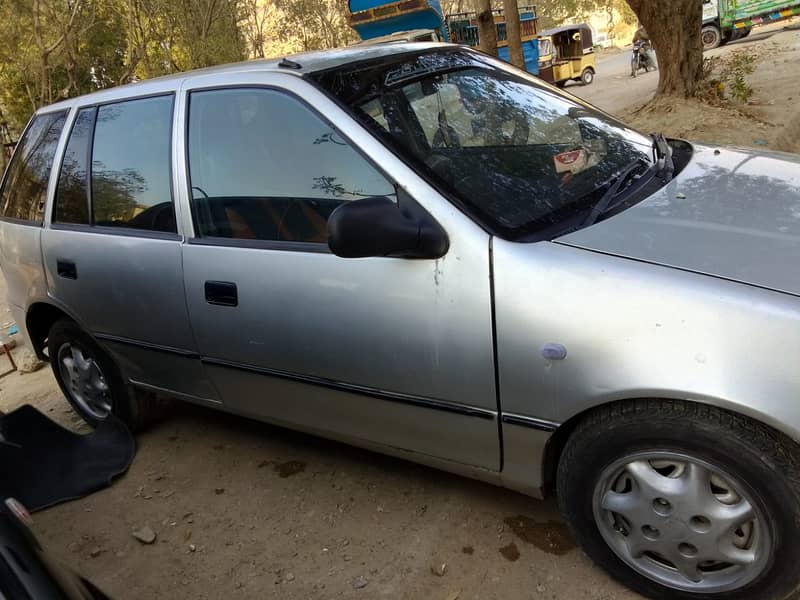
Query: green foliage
x: 711, y: 88
x: 734, y: 72
x: 54, y: 49
x: 725, y: 78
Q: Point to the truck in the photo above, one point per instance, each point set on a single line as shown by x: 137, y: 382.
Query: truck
x: 377, y: 21
x: 728, y: 20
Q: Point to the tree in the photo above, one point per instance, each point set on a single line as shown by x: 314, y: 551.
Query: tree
x: 55, y: 49
x: 513, y: 33
x: 487, y: 30
x: 313, y: 24
x: 5, y: 143
x: 209, y: 32
x: 255, y: 20
x: 674, y: 28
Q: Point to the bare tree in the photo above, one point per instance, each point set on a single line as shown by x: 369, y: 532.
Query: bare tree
x: 254, y: 22
x: 44, y: 11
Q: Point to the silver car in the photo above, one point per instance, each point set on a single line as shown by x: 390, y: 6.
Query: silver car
x: 423, y: 251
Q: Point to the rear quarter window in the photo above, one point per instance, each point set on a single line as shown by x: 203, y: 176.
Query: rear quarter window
x: 72, y: 192
x: 24, y: 190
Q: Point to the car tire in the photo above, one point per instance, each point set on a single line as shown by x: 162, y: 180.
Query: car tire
x: 711, y: 37
x: 683, y: 501
x: 90, y: 380
x: 587, y: 77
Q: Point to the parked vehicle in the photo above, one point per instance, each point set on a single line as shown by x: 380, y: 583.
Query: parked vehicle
x: 421, y: 250
x: 728, y: 20
x: 463, y: 29
x: 641, y: 57
x: 378, y: 21
x: 567, y: 54
x: 27, y: 571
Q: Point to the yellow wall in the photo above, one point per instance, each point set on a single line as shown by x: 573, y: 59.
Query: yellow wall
x: 620, y: 35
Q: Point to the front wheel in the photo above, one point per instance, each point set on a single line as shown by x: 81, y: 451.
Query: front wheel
x: 682, y: 501
x: 587, y: 77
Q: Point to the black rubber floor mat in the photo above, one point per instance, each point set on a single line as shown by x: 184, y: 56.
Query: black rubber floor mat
x: 42, y: 464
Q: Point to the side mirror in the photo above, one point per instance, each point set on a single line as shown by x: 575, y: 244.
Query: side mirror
x: 377, y: 227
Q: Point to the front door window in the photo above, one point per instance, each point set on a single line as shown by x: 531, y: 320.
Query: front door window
x: 264, y: 166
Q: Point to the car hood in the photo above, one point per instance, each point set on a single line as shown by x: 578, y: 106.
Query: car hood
x: 731, y: 213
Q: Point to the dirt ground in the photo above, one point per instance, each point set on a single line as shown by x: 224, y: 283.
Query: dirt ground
x: 246, y: 510
x: 770, y: 120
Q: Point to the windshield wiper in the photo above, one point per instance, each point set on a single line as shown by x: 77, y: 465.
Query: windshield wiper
x: 612, y: 192
x: 663, y: 156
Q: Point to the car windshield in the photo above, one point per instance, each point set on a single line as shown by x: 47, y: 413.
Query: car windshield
x: 524, y: 159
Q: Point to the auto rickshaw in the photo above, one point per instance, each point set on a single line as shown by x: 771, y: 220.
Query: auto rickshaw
x: 567, y: 54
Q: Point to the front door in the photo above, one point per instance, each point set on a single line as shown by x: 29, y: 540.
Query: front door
x: 382, y: 351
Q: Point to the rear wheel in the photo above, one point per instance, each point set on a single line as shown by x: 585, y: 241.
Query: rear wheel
x: 682, y: 501
x: 90, y: 380
x: 561, y: 84
x: 587, y: 77
x: 711, y: 36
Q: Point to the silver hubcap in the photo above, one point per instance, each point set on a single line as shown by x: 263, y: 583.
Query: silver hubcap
x: 84, y: 380
x: 682, y: 522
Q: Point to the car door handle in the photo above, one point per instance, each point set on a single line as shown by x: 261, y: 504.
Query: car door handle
x: 222, y: 293
x: 66, y: 269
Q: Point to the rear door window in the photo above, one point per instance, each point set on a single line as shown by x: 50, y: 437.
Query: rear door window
x: 24, y: 189
x: 131, y: 176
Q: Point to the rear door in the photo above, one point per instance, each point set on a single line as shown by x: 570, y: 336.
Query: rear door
x: 378, y: 350
x: 113, y: 249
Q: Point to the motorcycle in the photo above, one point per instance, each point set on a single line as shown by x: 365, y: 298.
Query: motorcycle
x: 642, y: 58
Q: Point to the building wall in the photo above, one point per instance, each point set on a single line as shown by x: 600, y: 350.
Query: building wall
x: 617, y: 33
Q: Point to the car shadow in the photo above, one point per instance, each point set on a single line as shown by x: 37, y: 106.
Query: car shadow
x: 222, y: 429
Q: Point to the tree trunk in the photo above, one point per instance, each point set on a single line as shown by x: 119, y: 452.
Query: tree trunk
x: 514, y: 33
x: 487, y: 30
x: 674, y: 28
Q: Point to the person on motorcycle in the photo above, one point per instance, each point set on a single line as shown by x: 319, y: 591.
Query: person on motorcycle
x: 642, y: 37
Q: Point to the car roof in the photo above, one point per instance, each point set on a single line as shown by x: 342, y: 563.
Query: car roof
x: 300, y: 64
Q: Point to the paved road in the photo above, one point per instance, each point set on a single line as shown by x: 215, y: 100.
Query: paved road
x: 613, y: 87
